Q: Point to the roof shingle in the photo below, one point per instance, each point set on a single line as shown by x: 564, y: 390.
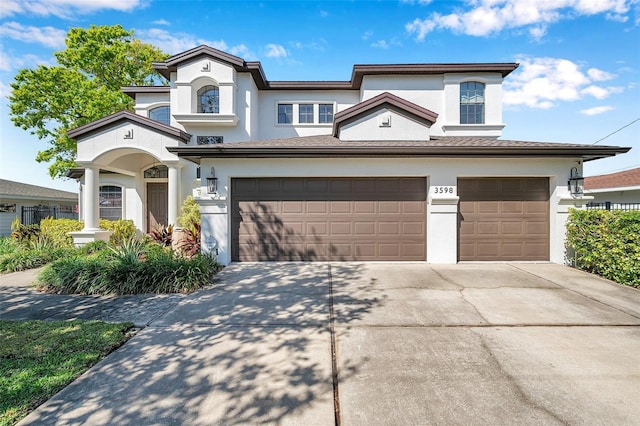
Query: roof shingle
x: 614, y: 180
x: 9, y: 188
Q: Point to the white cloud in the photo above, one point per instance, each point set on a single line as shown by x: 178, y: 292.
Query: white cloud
x: 172, y: 42
x: 422, y: 2
x: 47, y: 36
x: 11, y: 63
x: 596, y: 110
x: 598, y: 75
x: 367, y: 35
x: 244, y: 52
x: 5, y: 90
x: 65, y: 8
x: 380, y: 44
x: 275, y: 51
x: 384, y: 44
x: 161, y: 22
x: 543, y: 82
x: 538, y: 32
x: 487, y: 17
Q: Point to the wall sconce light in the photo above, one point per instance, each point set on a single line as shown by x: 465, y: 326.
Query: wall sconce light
x: 212, y: 182
x: 576, y: 182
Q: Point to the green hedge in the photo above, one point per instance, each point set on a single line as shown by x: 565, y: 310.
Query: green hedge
x: 606, y: 243
x: 135, y: 267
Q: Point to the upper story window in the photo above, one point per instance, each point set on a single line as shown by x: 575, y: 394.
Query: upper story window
x: 161, y: 114
x: 472, y: 102
x: 305, y: 113
x: 209, y: 100
x: 110, y: 202
x: 285, y: 113
x: 325, y: 113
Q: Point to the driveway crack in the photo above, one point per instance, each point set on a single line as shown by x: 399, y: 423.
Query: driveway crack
x: 334, y: 357
x: 513, y: 383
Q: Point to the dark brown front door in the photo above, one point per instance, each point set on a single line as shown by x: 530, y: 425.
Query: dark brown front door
x: 503, y: 219
x: 328, y: 219
x: 157, y: 202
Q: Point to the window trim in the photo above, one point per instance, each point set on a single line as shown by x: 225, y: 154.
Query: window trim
x: 122, y: 199
x: 295, y: 119
x: 156, y: 106
x: 200, y: 92
x: 483, y: 103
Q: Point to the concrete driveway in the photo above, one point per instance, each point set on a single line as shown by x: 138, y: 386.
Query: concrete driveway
x: 412, y: 344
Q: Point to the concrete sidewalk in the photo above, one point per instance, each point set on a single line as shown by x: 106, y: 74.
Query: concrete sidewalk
x: 415, y: 344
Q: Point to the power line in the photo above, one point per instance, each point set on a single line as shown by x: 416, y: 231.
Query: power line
x: 613, y: 133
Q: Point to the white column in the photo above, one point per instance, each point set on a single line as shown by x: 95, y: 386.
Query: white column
x: 91, y: 199
x: 173, y: 193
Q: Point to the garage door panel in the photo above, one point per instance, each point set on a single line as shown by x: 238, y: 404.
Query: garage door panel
x: 340, y: 207
x: 503, y: 219
x: 317, y: 207
x: 364, y: 207
x: 329, y: 219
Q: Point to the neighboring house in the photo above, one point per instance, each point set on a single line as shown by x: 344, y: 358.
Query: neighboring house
x: 401, y: 162
x: 30, y: 203
x: 617, y: 189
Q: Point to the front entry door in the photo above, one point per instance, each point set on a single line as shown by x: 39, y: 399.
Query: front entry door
x: 157, y: 201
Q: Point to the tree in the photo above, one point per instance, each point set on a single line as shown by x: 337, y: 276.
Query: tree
x: 85, y: 85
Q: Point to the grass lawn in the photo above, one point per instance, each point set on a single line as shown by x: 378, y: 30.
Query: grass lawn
x: 38, y: 359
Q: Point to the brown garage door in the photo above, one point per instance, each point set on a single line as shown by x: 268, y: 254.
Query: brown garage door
x: 328, y: 219
x: 503, y: 219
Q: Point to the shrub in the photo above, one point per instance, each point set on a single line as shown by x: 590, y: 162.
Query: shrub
x: 24, y: 233
x: 133, y: 268
x: 606, y: 243
x: 190, y: 216
x: 7, y: 246
x: 57, y: 230
x: 123, y: 229
x: 32, y: 257
x: 162, y: 235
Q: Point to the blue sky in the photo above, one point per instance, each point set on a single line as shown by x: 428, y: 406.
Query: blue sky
x: 578, y: 80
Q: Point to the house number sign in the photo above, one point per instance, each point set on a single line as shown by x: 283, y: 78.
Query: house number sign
x: 444, y: 190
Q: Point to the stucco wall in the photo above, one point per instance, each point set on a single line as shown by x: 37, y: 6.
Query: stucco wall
x: 621, y: 195
x: 369, y: 128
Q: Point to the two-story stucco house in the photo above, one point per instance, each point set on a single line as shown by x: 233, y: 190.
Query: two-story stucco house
x: 401, y: 162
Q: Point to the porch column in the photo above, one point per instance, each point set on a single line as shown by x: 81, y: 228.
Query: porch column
x: 91, y: 199
x: 173, y: 192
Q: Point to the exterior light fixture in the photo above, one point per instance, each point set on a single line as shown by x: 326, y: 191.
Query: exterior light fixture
x: 212, y: 182
x: 576, y: 182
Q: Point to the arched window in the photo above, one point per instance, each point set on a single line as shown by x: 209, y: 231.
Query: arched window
x: 161, y: 114
x: 209, y: 100
x: 157, y: 172
x: 110, y: 202
x: 472, y: 103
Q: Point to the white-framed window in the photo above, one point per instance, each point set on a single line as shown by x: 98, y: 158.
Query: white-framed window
x: 161, y: 114
x: 472, y: 102
x: 285, y: 113
x: 305, y: 113
x: 209, y: 100
x: 325, y: 113
x: 110, y: 202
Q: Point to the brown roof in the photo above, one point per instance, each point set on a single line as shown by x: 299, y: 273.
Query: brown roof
x: 383, y: 100
x: 359, y: 71
x: 329, y: 146
x: 98, y: 125
x: 614, y: 180
x: 12, y: 189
